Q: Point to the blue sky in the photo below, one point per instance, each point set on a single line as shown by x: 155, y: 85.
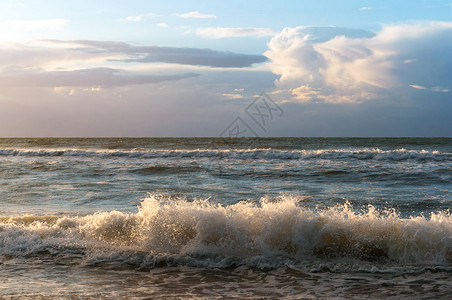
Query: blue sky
x: 190, y: 68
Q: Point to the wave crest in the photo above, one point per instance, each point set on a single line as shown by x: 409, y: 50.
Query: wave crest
x: 208, y: 234
x: 266, y: 154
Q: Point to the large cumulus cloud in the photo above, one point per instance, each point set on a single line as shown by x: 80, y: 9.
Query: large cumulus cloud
x: 339, y: 65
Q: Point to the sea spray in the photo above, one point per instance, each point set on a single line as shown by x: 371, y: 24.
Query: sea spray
x: 201, y: 232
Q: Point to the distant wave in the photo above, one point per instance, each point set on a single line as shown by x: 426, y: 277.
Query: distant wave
x: 201, y: 233
x: 268, y: 154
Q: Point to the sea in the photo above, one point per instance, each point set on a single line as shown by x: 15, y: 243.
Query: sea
x: 225, y: 218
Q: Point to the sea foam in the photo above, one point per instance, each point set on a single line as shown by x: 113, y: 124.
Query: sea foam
x: 265, y: 154
x: 265, y: 234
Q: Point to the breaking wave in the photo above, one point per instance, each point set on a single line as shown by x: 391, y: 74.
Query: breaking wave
x: 267, y: 234
x: 331, y: 154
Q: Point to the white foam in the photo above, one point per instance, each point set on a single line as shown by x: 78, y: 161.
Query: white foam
x: 266, y: 154
x: 267, y: 234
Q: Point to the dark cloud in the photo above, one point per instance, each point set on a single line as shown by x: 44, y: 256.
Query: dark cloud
x: 201, y: 57
x: 172, y: 55
x: 104, y: 77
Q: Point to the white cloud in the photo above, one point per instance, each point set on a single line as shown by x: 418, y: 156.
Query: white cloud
x: 93, y: 89
x: 49, y: 55
x: 409, y: 61
x: 439, y: 89
x: 366, y: 8
x: 137, y: 18
x: 71, y: 91
x: 196, y: 15
x: 226, y: 32
x: 64, y: 91
x: 304, y: 93
x: 163, y: 25
x: 232, y: 96
x: 343, y: 65
x: 418, y: 87
x: 130, y: 19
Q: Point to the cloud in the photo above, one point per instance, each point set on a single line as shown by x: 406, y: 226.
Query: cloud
x: 433, y: 89
x: 304, y: 93
x: 60, y: 54
x: 71, y: 91
x: 172, y: 55
x: 130, y: 19
x: 232, y: 96
x: 162, y: 24
x: 38, y: 55
x: 64, y: 91
x: 440, y: 89
x: 333, y: 64
x: 100, y: 77
x: 197, y: 15
x: 418, y: 87
x: 366, y: 8
x: 409, y: 61
x: 198, y: 57
x: 227, y: 32
x: 187, y: 107
x: 137, y: 18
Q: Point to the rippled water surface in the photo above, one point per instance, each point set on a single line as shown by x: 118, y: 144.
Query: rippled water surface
x: 213, y: 218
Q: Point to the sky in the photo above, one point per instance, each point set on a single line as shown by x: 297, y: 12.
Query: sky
x: 225, y: 68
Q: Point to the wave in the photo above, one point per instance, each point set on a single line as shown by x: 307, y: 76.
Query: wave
x: 165, y: 232
x: 266, y: 154
x: 163, y: 170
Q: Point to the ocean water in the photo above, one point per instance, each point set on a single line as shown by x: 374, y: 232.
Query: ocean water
x: 207, y: 218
